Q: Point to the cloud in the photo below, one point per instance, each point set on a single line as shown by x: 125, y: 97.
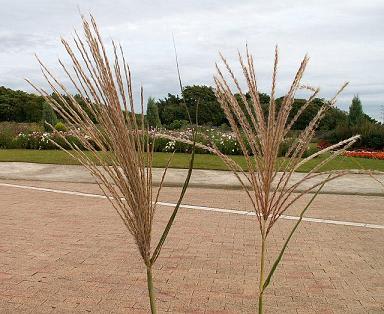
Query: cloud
x: 343, y: 39
x: 11, y: 42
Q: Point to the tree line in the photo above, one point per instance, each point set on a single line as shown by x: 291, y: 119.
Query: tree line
x: 170, y: 112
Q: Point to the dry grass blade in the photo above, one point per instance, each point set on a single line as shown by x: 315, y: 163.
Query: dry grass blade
x: 105, y: 123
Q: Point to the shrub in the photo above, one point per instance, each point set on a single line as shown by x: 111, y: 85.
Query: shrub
x: 372, y: 135
x: 224, y: 127
x: 37, y: 140
x: 41, y: 140
x: 48, y: 116
x: 74, y: 141
x: 312, y: 149
x: 20, y: 141
x: 227, y: 144
x: 6, y: 140
x: 284, y: 146
x: 60, y: 126
x: 159, y: 144
x: 178, y: 124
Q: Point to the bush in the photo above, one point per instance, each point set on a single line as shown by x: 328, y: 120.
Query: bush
x: 372, y: 135
x: 37, y: 140
x: 178, y: 124
x: 228, y: 144
x: 283, y: 149
x: 224, y: 127
x: 73, y: 140
x: 48, y: 116
x: 312, y: 149
x: 60, y: 126
x: 159, y: 144
x: 20, y: 141
x: 6, y: 140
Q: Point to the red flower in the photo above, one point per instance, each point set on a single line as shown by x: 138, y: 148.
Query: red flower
x: 365, y: 154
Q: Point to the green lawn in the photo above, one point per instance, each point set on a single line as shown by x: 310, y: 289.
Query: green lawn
x: 181, y: 160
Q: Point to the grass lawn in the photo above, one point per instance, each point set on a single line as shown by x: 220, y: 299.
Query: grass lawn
x: 203, y: 161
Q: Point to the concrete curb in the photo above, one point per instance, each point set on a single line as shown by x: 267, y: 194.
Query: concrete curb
x: 351, y: 184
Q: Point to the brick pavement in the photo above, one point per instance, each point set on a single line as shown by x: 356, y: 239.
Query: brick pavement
x: 64, y: 253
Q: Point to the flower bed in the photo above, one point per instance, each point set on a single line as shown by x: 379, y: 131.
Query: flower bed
x: 226, y: 142
x: 365, y: 154
x: 41, y: 140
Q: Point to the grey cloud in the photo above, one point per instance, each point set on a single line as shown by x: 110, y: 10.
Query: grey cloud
x: 11, y: 42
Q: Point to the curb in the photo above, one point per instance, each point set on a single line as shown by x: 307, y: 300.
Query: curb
x: 207, y: 186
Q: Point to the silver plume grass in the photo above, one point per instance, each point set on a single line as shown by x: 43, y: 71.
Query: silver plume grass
x: 268, y: 180
x: 119, y: 145
x: 260, y: 137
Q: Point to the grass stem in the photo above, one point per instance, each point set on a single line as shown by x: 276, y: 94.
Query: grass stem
x: 262, y: 260
x: 151, y: 291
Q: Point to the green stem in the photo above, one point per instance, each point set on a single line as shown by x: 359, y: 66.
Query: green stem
x: 262, y: 260
x: 157, y: 250
x: 280, y: 256
x: 151, y: 291
x: 260, y: 303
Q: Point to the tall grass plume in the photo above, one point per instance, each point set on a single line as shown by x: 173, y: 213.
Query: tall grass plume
x: 120, y: 144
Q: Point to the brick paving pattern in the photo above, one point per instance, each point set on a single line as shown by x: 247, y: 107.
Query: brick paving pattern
x: 70, y: 254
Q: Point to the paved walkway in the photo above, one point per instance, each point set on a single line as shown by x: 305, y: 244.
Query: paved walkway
x: 63, y: 249
x: 353, y: 184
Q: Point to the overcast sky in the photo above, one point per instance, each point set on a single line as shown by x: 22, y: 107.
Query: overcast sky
x: 343, y: 38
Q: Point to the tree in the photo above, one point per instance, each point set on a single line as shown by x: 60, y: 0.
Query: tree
x: 203, y: 99
x: 198, y: 98
x: 356, y: 113
x: 333, y: 118
x: 307, y: 115
x: 19, y: 106
x: 170, y: 109
x: 48, y: 115
x: 264, y: 98
x: 153, y: 117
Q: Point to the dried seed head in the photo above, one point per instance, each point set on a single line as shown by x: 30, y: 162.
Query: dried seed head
x: 102, y: 117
